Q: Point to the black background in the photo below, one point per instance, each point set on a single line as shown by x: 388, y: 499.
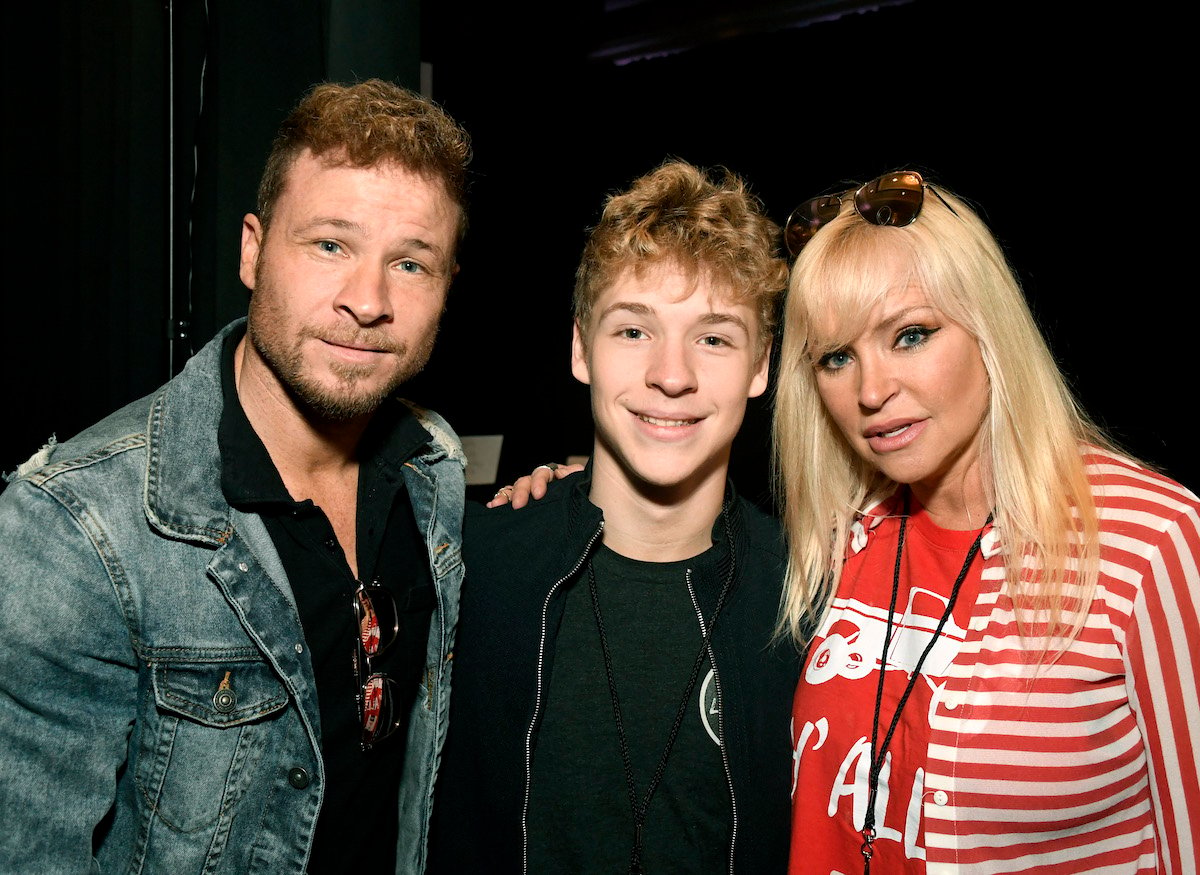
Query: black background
x: 1064, y: 125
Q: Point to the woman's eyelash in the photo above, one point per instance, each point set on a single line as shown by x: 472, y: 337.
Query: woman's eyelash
x: 920, y: 333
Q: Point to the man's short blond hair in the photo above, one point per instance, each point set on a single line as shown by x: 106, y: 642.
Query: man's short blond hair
x: 365, y: 125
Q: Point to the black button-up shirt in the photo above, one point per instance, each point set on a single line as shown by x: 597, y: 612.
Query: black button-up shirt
x: 358, y: 821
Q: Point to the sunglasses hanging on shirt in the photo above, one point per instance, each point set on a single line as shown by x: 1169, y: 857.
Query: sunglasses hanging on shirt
x: 378, y: 696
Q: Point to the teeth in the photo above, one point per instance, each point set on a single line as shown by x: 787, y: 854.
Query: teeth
x: 672, y: 423
x: 895, y: 431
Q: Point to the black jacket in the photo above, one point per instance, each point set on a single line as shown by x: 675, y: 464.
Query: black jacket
x: 519, y: 565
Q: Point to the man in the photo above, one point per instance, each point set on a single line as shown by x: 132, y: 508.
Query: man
x: 619, y: 699
x: 225, y: 610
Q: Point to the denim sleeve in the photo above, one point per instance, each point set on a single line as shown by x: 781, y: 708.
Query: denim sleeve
x: 68, y: 682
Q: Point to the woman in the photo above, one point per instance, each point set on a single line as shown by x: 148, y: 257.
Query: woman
x: 1031, y: 592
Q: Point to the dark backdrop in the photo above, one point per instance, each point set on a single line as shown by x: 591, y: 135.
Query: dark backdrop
x: 1063, y: 124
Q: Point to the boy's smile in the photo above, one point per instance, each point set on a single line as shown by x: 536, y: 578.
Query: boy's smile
x: 671, y: 363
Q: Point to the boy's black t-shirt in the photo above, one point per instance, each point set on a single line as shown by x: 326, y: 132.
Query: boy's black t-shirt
x: 580, y: 818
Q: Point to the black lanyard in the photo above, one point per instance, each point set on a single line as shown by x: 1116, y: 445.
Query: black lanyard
x: 879, y: 752
x: 636, y: 805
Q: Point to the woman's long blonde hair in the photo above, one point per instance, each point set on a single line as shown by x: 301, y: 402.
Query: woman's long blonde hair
x: 1033, y: 430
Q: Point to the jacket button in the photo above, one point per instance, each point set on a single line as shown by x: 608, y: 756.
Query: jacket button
x: 940, y: 797
x: 298, y: 778
x: 224, y: 701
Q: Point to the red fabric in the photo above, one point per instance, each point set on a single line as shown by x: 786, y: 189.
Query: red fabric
x: 836, y: 699
x: 1084, y: 763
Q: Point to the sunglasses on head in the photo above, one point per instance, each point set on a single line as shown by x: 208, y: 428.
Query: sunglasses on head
x: 892, y: 199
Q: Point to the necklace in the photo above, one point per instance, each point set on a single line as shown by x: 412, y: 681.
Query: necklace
x: 879, y: 751
x: 637, y: 805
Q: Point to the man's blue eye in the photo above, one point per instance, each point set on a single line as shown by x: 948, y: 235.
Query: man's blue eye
x: 329, y: 246
x: 410, y: 267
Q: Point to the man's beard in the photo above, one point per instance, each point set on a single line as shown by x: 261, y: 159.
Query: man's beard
x: 347, y: 399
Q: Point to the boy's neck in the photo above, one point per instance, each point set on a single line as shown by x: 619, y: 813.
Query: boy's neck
x: 656, y: 525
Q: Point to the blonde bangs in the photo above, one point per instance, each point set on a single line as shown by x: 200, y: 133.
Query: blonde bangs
x: 842, y: 275
x: 1032, y: 435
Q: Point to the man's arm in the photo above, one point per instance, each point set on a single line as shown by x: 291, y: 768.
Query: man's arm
x: 68, y: 682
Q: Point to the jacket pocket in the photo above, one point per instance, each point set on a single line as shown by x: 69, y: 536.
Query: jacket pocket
x: 201, y: 747
x: 218, y: 694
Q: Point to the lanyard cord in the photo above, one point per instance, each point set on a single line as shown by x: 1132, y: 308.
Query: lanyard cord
x: 879, y: 752
x: 639, y: 808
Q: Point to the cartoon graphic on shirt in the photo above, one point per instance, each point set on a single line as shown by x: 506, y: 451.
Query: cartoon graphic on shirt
x: 855, y: 654
x: 845, y: 657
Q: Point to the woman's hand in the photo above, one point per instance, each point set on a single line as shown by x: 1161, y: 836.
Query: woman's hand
x: 532, y: 485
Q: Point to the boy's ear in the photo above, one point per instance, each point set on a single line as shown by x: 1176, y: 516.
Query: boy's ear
x: 758, y: 382
x: 579, y: 362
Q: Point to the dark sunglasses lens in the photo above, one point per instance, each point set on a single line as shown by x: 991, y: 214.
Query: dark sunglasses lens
x: 893, y: 199
x: 807, y: 219
x: 377, y: 620
x: 379, y: 709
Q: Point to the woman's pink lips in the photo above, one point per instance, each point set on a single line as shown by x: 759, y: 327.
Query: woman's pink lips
x: 889, y: 443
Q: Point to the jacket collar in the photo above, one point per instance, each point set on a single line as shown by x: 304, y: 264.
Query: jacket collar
x: 585, y: 517
x: 183, y: 496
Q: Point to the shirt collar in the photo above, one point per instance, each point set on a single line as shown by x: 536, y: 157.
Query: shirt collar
x: 868, y: 520
x: 248, y: 476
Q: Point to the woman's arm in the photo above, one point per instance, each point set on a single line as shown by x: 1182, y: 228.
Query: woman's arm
x: 1161, y: 658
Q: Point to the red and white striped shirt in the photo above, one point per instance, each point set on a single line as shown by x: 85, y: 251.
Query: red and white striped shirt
x: 1087, y: 763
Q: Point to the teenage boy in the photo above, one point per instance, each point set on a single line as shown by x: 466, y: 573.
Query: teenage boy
x: 620, y: 702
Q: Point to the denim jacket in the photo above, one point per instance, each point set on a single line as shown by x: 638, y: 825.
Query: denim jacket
x: 158, y: 710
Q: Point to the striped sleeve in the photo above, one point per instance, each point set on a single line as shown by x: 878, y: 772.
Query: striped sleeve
x: 1088, y: 762
x: 1161, y: 646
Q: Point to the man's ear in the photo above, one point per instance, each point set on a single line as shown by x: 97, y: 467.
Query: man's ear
x: 758, y: 382
x: 579, y: 362
x: 252, y: 240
